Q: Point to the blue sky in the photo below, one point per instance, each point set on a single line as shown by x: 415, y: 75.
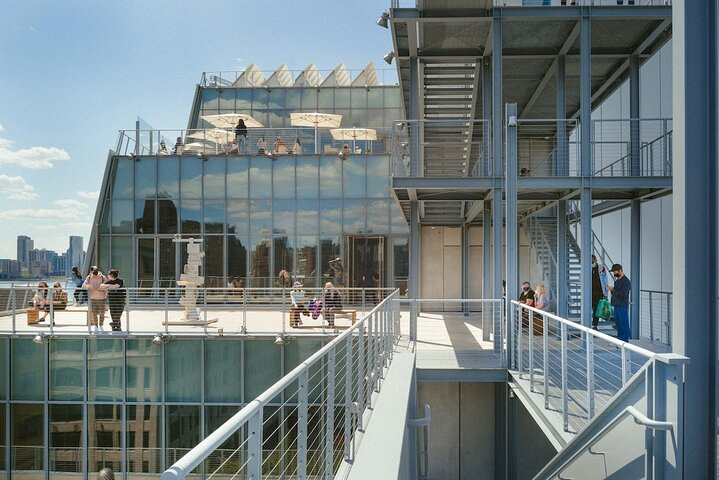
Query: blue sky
x: 75, y: 72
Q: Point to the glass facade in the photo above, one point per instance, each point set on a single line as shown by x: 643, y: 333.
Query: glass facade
x: 126, y: 403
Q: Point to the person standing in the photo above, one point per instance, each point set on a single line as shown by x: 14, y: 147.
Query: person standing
x: 261, y: 145
x: 80, y: 295
x: 620, y: 301
x: 332, y: 303
x: 527, y: 295
x: 115, y: 288
x: 599, y: 288
x: 297, y: 297
x: 96, y: 312
x: 240, y: 135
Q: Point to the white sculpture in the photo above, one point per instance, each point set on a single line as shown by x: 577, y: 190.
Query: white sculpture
x: 192, y: 281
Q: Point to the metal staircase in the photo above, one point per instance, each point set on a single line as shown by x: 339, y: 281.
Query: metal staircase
x: 542, y: 233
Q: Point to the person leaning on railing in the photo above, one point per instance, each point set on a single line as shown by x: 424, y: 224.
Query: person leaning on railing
x: 96, y: 312
x: 115, y: 288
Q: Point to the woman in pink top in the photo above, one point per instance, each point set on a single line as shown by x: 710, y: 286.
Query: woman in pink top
x: 96, y: 311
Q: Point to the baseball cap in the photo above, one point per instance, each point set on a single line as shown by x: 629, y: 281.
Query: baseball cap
x: 616, y: 267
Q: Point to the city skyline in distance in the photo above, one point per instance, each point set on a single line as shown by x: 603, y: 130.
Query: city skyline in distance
x: 39, y: 262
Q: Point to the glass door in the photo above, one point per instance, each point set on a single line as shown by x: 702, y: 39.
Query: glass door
x: 156, y: 262
x: 366, y: 264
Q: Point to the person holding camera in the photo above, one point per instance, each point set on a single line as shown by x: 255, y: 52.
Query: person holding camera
x: 96, y: 311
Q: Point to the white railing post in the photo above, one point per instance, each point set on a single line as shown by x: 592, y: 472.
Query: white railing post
x: 362, y: 373
x: 624, y: 370
x: 590, y: 375
x: 14, y: 306
x: 530, y: 351
x: 565, y: 400
x: 254, y: 445
x: 348, y: 396
x: 302, y: 411
x: 545, y: 360
x: 330, y: 415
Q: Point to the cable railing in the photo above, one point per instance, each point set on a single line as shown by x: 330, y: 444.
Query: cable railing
x: 577, y: 370
x: 272, y: 142
x: 311, y: 77
x: 655, y: 323
x: 616, y: 142
x: 548, y: 148
x: 219, y: 311
x: 572, y: 3
x: 329, y: 396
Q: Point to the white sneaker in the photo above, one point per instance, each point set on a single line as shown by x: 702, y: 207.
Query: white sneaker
x: 102, y: 329
x: 94, y: 329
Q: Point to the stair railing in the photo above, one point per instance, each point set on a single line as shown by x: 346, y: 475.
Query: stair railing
x: 545, y: 243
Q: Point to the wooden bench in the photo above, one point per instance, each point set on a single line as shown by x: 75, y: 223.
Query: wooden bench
x: 33, y: 314
x: 347, y: 313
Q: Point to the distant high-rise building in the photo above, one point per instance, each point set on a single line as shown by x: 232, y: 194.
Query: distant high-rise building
x: 74, y: 256
x: 24, y: 245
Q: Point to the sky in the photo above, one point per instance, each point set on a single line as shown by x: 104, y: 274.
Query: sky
x: 75, y: 72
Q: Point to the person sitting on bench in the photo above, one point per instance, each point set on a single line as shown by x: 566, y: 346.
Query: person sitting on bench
x: 59, y: 297
x: 40, y: 299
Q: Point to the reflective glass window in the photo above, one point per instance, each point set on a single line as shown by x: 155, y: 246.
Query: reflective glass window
x: 399, y: 224
x: 401, y: 263
x: 359, y: 98
x: 330, y: 250
x: 284, y: 216
x: 330, y: 216
x: 277, y: 98
x: 237, y: 257
x: 210, y: 101
x: 307, y: 259
x: 307, y: 177
x: 26, y: 433
x: 3, y: 372
x: 378, y: 176
x: 214, y: 255
x: 260, y: 177
x: 342, y: 98
x: 297, y: 352
x: 67, y: 369
x: 3, y: 426
x: 354, y: 176
x: 392, y: 98
x: 191, y: 177
x: 263, y: 366
x: 122, y: 185
x: 215, y: 416
x: 346, y: 115
x: 378, y: 216
x: 214, y: 213
x: 358, y: 117
x: 28, y: 372
x: 182, y: 370
x: 283, y: 251
x: 191, y: 216
x: 330, y: 177
x: 238, y: 216
x: 261, y: 116
x: 144, y: 216
x: 325, y: 99
x: 183, y: 430
x: 103, y: 253
x: 375, y: 98
x: 354, y: 216
x: 260, y: 263
x: 104, y: 437
x: 167, y: 216
x: 105, y: 369
x: 214, y: 177
x: 143, y: 440
x: 227, y: 100
x: 146, y: 177
x: 307, y: 216
x: 237, y: 168
x: 121, y: 258
x: 260, y: 98
x: 243, y: 99
x: 144, y: 374
x: 283, y: 179
x: 375, y: 119
x: 105, y: 217
x: 260, y: 216
x: 391, y: 115
x: 66, y: 446
x: 223, y: 371
x: 122, y: 216
x: 309, y: 99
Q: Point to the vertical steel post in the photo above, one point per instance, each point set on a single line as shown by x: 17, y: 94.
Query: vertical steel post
x: 487, y: 272
x: 362, y: 371
x: 636, y: 249
x: 530, y: 350
x: 586, y: 166
x: 497, y: 172
x: 651, y: 318
x: 330, y: 415
x: 561, y: 161
x: 624, y: 363
x: 466, y: 266
x: 562, y: 261
x: 414, y: 264
x: 634, y: 133
x: 565, y: 387
x: 545, y: 361
x: 348, y: 396
x: 511, y: 222
x: 254, y: 445
x: 302, y: 413
x: 590, y: 375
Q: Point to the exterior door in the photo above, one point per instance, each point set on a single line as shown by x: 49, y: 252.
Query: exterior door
x: 157, y: 262
x: 365, y: 261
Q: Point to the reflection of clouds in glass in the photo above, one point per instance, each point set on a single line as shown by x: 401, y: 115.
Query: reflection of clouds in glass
x: 284, y: 179
x: 214, y: 185
x: 378, y: 216
x: 307, y: 178
x: 237, y: 184
x: 330, y: 177
x: 260, y: 179
x: 238, y: 215
x: 330, y: 214
x: 192, y: 187
x: 354, y: 216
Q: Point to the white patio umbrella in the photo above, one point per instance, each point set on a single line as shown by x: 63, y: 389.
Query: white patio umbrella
x: 229, y: 120
x: 198, y: 147
x: 317, y: 120
x: 216, y: 135
x: 354, y: 134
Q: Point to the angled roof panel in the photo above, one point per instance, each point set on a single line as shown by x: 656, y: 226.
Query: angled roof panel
x: 368, y: 77
x: 338, y: 78
x: 280, y: 78
x: 310, y: 77
x: 250, y: 77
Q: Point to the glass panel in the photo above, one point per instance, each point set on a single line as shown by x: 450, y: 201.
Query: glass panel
x: 392, y: 99
x: 263, y: 366
x: 237, y: 168
x: 378, y: 216
x: 27, y: 441
x: 309, y: 99
x: 354, y: 177
x: 167, y: 213
x: 104, y: 437
x: 283, y: 180
x: 260, y: 99
x: 227, y: 100
x: 260, y: 216
x: 143, y: 371
x: 238, y: 216
x: 182, y: 370
x: 306, y: 260
x: 66, y: 440
x: 307, y: 216
x: 122, y: 216
x: 105, y: 368
x: 401, y: 264
x: 307, y: 177
x: 399, y: 224
x: 214, y: 418
x: 105, y: 217
x: 143, y: 440
x: 342, y: 98
x: 223, y: 371
x: 375, y: 98
x: 354, y: 216
x: 392, y: 115
x: 145, y: 216
x: 214, y: 177
x: 3, y: 426
x: 237, y: 258
x: 122, y: 257
x: 191, y: 216
x: 325, y: 99
x: 243, y: 99
x: 210, y: 101
x: 260, y: 262
x: 3, y: 374
x: 214, y: 216
x: 67, y: 369
x: 292, y: 98
x: 214, y: 255
x: 297, y: 352
x: 122, y: 178
x: 359, y: 98
x: 330, y: 216
x: 146, y: 177
x: 191, y: 177
x: 260, y: 177
x: 284, y: 216
x: 284, y: 253
x: 145, y: 262
x: 28, y: 370
x: 330, y: 177
x: 183, y: 430
x: 330, y: 250
x: 103, y: 253
x: 167, y: 262
x: 378, y: 176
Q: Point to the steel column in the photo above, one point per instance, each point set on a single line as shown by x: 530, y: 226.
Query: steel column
x: 695, y: 259
x: 302, y: 414
x: 511, y: 227
x: 486, y: 117
x: 254, y: 445
x: 486, y: 271
x: 635, y: 270
x: 330, y: 415
x: 634, y: 137
x: 466, y: 266
x: 562, y: 261
x: 586, y: 167
x: 561, y: 160
x: 349, y: 369
x: 497, y: 169
x: 414, y: 262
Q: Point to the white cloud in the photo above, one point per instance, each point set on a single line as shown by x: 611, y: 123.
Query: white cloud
x: 89, y: 195
x: 70, y: 203
x: 34, y: 158
x: 16, y: 188
x: 2, y: 129
x: 41, y: 213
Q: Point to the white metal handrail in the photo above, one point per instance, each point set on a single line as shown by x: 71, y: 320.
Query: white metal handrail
x: 375, y: 336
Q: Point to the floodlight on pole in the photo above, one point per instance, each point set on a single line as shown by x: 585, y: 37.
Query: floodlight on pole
x: 383, y: 19
x: 389, y: 57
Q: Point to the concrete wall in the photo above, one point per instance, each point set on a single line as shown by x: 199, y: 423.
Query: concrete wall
x: 462, y: 429
x: 531, y: 450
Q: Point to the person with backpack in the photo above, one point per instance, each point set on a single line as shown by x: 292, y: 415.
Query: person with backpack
x: 600, y: 278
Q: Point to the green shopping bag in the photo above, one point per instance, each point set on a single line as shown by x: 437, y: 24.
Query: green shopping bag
x: 604, y: 310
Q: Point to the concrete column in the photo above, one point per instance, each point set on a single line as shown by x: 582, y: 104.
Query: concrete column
x: 497, y: 168
x: 561, y: 161
x: 636, y: 249
x: 562, y: 286
x: 695, y: 259
x: 486, y: 268
x: 585, y: 109
x: 414, y: 264
x: 634, y: 126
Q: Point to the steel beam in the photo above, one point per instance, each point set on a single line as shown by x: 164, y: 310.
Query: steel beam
x: 561, y: 160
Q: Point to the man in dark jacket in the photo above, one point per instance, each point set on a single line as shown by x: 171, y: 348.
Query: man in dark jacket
x: 620, y: 301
